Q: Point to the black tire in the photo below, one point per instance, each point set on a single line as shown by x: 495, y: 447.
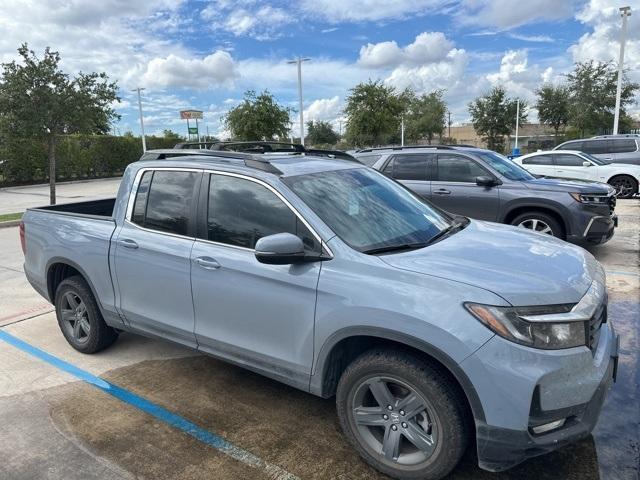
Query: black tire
x: 93, y: 333
x: 626, y: 186
x: 542, y: 219
x: 444, y: 409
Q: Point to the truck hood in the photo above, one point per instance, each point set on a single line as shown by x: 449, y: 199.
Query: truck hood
x: 523, y: 267
x: 566, y: 185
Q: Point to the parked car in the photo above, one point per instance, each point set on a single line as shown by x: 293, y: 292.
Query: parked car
x: 574, y: 164
x: 609, y: 148
x: 433, y: 332
x: 484, y: 185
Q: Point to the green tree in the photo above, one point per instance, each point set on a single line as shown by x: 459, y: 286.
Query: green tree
x: 321, y: 133
x: 426, y: 116
x: 494, y: 116
x: 373, y: 113
x: 553, y: 107
x: 258, y: 117
x: 40, y: 101
x: 593, y: 96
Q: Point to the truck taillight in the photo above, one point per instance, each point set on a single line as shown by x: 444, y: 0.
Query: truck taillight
x: 22, y: 241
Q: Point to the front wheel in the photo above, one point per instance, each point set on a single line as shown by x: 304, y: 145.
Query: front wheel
x: 539, y: 222
x: 625, y: 185
x: 404, y: 417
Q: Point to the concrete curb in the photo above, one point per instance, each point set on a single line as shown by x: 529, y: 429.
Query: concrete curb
x: 10, y: 223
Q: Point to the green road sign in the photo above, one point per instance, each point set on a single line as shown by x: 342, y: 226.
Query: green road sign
x: 193, y: 130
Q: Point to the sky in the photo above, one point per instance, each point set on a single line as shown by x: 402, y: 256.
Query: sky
x: 204, y: 54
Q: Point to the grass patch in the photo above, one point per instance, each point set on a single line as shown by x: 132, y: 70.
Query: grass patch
x: 6, y: 217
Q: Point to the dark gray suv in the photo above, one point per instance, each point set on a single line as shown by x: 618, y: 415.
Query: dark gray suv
x: 484, y: 185
x: 624, y: 148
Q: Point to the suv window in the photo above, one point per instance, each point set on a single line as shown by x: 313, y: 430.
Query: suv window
x: 568, y: 160
x: 164, y: 201
x: 597, y: 146
x: 572, y: 146
x: 538, y: 160
x: 456, y: 168
x: 411, y: 166
x: 623, y: 145
x: 241, y: 211
x: 368, y: 160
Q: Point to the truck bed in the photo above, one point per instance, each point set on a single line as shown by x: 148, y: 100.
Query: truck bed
x: 99, y: 209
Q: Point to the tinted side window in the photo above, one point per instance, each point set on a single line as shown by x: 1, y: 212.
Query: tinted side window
x: 140, y: 205
x: 623, y: 145
x: 169, y: 201
x: 568, y: 160
x: 240, y: 212
x: 388, y: 168
x: 369, y: 160
x: 454, y: 168
x: 597, y: 146
x: 410, y: 167
x: 538, y: 160
x: 572, y: 146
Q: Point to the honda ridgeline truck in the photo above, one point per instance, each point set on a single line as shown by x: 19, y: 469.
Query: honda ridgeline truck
x: 432, y: 331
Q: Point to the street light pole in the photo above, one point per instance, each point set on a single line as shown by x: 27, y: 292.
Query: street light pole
x: 624, y: 13
x: 299, y: 61
x: 144, y: 143
x: 402, y: 131
x: 515, y: 148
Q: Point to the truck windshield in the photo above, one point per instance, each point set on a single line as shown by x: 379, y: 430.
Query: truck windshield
x: 368, y: 211
x: 505, y: 167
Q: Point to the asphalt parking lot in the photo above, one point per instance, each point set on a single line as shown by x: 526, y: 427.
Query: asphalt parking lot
x: 180, y: 415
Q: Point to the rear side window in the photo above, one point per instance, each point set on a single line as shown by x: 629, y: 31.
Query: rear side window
x: 572, y: 146
x: 538, y: 160
x: 597, y: 146
x: 241, y: 211
x: 568, y: 160
x: 169, y: 198
x: 625, y: 145
x: 455, y: 168
x: 368, y: 160
x: 411, y: 167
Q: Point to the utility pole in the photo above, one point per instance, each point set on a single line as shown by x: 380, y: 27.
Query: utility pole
x: 402, y: 131
x: 624, y: 13
x: 144, y: 142
x: 299, y: 61
x: 515, y: 148
x: 449, y: 113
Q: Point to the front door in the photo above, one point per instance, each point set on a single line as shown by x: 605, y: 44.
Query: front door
x: 570, y: 165
x: 455, y: 190
x: 258, y: 315
x: 152, y: 255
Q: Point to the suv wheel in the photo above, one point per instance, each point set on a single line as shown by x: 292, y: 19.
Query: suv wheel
x: 403, y: 417
x: 625, y: 185
x: 539, y: 222
x: 79, y: 317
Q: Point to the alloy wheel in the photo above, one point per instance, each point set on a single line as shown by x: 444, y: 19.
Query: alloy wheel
x: 537, y: 225
x: 625, y: 187
x: 75, y: 317
x: 395, y: 421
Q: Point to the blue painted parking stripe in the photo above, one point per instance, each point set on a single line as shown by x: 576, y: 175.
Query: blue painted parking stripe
x: 273, y: 471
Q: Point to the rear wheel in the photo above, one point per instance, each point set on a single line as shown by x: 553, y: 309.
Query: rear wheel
x: 404, y: 417
x: 539, y: 222
x: 79, y: 317
x: 626, y: 186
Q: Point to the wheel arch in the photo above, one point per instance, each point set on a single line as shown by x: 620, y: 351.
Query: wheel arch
x: 59, y: 268
x: 517, y: 210
x: 344, y: 346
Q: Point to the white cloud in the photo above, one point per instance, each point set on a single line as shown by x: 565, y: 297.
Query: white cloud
x: 428, y: 47
x: 445, y: 74
x: 252, y: 19
x: 336, y: 11
x: 505, y: 14
x: 532, y: 38
x: 174, y: 71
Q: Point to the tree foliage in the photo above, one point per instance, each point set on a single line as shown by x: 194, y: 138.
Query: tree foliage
x: 426, y: 116
x: 258, y: 117
x: 374, y: 113
x: 321, y: 133
x: 592, y: 86
x: 553, y: 106
x: 494, y: 116
x: 40, y: 101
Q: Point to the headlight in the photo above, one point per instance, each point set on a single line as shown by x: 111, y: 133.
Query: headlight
x: 508, y: 322
x: 591, y: 198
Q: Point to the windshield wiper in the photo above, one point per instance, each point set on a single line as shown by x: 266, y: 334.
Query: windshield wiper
x: 456, y: 225
x: 394, y: 248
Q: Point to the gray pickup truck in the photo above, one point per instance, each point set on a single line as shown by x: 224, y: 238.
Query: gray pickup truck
x: 432, y: 331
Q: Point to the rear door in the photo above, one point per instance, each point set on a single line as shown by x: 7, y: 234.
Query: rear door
x: 454, y: 188
x: 601, y: 148
x: 625, y: 150
x: 413, y: 171
x: 152, y: 254
x: 541, y: 164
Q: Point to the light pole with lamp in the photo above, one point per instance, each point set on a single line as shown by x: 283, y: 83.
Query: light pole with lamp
x: 299, y: 61
x: 624, y: 13
x: 144, y: 143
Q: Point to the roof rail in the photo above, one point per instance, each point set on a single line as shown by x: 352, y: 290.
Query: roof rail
x: 375, y: 149
x: 619, y: 135
x: 258, y: 162
x: 258, y: 146
x: 193, y: 145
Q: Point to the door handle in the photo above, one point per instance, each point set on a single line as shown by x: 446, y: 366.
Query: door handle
x: 207, y: 263
x: 128, y: 243
x: 442, y: 191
